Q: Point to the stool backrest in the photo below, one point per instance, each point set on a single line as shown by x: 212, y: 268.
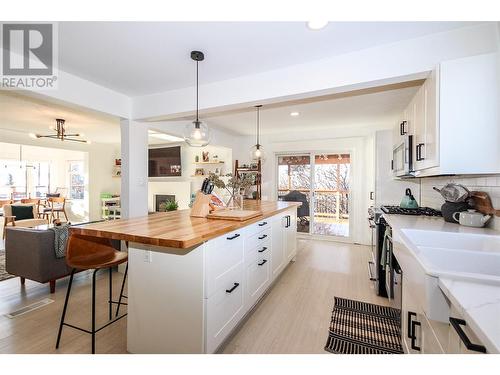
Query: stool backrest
x: 86, y: 250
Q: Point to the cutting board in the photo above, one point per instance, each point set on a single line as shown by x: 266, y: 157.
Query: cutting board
x: 482, y: 203
x: 236, y: 215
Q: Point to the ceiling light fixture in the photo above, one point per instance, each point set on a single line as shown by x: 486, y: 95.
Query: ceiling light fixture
x: 317, y: 24
x: 61, y: 133
x: 197, y: 133
x: 294, y: 114
x: 257, y: 151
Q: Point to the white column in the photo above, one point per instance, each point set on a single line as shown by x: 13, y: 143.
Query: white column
x: 134, y: 181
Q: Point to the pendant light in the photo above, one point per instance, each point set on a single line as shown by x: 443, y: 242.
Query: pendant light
x: 197, y: 133
x: 257, y: 151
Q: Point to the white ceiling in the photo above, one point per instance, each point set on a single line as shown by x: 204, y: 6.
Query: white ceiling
x: 371, y: 109
x: 25, y: 114
x: 139, y: 58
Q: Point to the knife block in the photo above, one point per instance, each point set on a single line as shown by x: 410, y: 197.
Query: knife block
x: 201, y: 205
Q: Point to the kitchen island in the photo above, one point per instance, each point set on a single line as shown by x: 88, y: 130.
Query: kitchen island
x: 192, y: 280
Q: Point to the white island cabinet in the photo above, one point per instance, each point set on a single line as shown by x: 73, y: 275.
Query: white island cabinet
x: 191, y: 300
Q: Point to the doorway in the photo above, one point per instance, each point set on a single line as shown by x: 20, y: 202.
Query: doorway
x: 321, y: 181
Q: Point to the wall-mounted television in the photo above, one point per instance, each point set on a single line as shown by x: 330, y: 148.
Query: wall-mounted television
x: 164, y: 162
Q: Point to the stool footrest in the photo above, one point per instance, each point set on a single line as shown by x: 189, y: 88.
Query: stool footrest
x: 97, y: 330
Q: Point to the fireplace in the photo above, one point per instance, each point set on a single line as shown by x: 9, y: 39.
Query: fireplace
x: 161, y: 198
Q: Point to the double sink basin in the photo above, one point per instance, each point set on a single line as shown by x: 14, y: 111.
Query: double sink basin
x: 474, y: 257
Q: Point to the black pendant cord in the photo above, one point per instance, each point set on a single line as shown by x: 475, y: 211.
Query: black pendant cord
x: 197, y: 119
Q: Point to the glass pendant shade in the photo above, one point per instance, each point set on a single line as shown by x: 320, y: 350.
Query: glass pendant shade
x: 197, y: 134
x: 258, y: 153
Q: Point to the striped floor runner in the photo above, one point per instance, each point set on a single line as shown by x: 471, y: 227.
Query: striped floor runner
x: 364, y: 328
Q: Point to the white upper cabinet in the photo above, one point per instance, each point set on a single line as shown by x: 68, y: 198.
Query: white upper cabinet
x: 455, y: 118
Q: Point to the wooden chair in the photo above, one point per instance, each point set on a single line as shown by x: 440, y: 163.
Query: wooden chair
x: 92, y: 253
x: 55, y: 206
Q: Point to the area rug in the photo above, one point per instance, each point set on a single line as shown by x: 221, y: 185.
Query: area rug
x: 364, y: 328
x: 3, y: 274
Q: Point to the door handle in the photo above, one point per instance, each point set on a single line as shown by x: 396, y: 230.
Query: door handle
x: 402, y: 129
x: 262, y: 263
x: 263, y: 249
x: 371, y: 195
x: 233, y: 288
x: 419, y: 151
x: 456, y: 324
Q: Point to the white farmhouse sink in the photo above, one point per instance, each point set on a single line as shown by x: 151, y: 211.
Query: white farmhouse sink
x: 453, y: 241
x: 463, y: 255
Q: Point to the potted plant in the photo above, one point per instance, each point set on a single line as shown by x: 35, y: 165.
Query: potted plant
x: 169, y: 206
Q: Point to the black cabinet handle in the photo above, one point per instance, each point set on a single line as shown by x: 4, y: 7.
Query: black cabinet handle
x: 402, y: 129
x: 263, y: 236
x: 262, y: 263
x: 233, y: 288
x: 287, y: 221
x: 456, y: 324
x: 392, y: 165
x: 419, y: 152
x: 410, y: 327
x: 414, y: 337
x: 233, y: 237
x: 263, y: 223
x: 371, y: 195
x: 263, y: 249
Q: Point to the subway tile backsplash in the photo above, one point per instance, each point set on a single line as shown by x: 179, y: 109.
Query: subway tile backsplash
x: 489, y: 184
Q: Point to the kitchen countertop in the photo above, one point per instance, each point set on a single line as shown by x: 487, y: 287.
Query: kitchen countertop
x: 479, y: 304
x: 177, y: 229
x: 478, y: 301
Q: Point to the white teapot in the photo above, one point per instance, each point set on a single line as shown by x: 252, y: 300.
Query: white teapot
x: 471, y: 218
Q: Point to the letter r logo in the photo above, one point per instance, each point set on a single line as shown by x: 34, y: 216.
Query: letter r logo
x: 27, y: 49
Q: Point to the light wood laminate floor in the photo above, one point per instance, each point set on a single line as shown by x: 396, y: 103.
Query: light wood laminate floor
x: 292, y: 318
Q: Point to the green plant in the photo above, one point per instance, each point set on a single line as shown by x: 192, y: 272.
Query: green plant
x: 169, y: 206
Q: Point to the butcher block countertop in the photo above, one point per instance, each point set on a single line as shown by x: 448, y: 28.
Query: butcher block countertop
x: 177, y: 228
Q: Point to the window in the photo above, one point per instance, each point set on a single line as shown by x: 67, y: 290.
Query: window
x: 12, y: 179
x: 76, y: 180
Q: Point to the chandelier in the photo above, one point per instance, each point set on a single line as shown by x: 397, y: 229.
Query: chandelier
x: 61, y: 133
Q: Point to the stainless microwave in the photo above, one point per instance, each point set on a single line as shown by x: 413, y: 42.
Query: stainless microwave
x: 402, y: 158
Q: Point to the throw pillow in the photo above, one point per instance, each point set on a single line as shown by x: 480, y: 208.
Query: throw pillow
x: 22, y: 212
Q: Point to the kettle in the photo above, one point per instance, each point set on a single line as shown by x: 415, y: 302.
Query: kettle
x: 408, y: 200
x: 471, y: 218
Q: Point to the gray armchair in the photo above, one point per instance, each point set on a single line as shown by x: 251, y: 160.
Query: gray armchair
x: 29, y: 254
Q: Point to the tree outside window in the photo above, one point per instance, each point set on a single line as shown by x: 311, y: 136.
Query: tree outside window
x: 76, y: 180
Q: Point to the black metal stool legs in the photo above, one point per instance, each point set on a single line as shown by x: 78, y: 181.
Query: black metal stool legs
x: 65, y: 307
x: 110, y: 301
x: 121, y: 291
x: 93, y: 331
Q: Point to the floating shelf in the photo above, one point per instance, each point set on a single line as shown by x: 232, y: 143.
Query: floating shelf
x: 208, y: 162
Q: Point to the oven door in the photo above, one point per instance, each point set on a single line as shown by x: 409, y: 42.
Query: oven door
x: 402, y: 159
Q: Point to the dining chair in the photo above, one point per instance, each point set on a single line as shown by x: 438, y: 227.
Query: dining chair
x: 34, y: 201
x: 55, y: 205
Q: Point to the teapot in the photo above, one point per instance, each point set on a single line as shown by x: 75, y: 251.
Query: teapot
x: 471, y: 218
x: 408, y: 200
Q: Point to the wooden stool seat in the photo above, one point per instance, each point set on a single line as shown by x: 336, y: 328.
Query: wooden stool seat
x: 85, y: 253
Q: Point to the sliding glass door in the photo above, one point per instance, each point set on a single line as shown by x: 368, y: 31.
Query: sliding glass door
x: 322, y: 183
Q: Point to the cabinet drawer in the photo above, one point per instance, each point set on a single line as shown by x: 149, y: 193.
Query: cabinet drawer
x: 225, y: 307
x: 221, y: 257
x: 258, y: 274
x: 259, y: 226
x: 258, y: 238
x: 262, y: 250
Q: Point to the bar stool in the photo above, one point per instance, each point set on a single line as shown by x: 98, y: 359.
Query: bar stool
x: 92, y: 253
